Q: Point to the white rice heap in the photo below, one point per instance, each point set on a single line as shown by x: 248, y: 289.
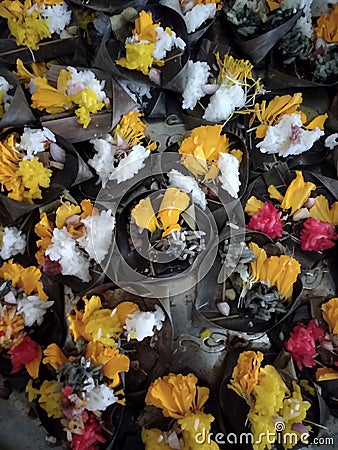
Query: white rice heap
x: 229, y: 178
x: 13, y: 242
x: 34, y: 141
x: 85, y: 79
x: 98, y: 235
x: 189, y: 185
x: 64, y: 250
x: 99, y: 398
x: 288, y: 137
x: 198, y: 15
x: 57, y: 18
x: 197, y: 76
x: 224, y: 102
x: 5, y: 87
x: 142, y: 324
x: 33, y: 309
x: 104, y: 161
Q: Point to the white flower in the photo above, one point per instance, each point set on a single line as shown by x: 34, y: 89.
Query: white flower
x: 5, y: 87
x: 229, y: 178
x: 57, y: 17
x: 130, y: 165
x: 189, y: 185
x: 103, y: 160
x: 98, y: 235
x: 141, y: 324
x: 99, y: 398
x: 331, y: 141
x: 197, y: 76
x: 165, y: 42
x: 64, y: 250
x: 33, y: 309
x: 198, y: 15
x: 12, y: 242
x: 288, y: 137
x: 85, y: 79
x: 224, y: 102
x: 34, y: 141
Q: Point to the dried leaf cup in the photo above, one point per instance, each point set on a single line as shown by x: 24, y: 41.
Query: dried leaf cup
x: 169, y: 74
x: 149, y: 357
x: 56, y: 179
x: 261, y: 29
x: 172, y: 247
x: 289, y: 206
x: 32, y: 317
x: 241, y: 398
x: 64, y: 242
x: 35, y: 41
x: 233, y: 295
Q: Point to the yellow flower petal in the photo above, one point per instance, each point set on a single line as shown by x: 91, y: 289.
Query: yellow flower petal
x: 317, y: 122
x: 44, y: 230
x: 54, y: 356
x: 49, y: 98
x: 326, y: 374
x: 138, y: 57
x: 33, y: 366
x: 33, y: 176
x: 330, y: 314
x: 321, y: 211
x: 144, y: 215
x: 327, y: 26
x: 65, y: 211
x: 274, y: 193
x: 253, y: 205
x: 297, y: 193
x: 173, y: 203
x: 246, y: 373
x: 124, y: 309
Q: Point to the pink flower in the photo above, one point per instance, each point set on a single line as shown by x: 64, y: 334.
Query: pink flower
x: 23, y: 353
x: 91, y: 437
x: 302, y: 343
x: 267, y: 220
x: 317, y: 235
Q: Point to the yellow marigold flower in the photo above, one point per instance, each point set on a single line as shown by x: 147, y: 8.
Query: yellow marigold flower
x: 11, y: 327
x: 321, y: 211
x: 279, y: 271
x: 245, y: 374
x: 297, y: 193
x: 253, y: 205
x: 272, y: 113
x: 202, y: 148
x: 33, y: 176
x: 330, y: 314
x: 326, y: 374
x: 177, y: 395
x: 103, y: 326
x: 27, y: 278
x: 50, y: 398
x: 44, y: 230
x: 37, y: 69
x: 131, y: 130
x: 274, y: 4
x: 232, y: 70
x: 327, y: 26
x: 88, y: 103
x: 154, y: 437
x: 25, y: 23
x: 9, y: 164
x: 193, y: 425
x: 145, y: 29
x: 88, y: 209
x: 138, y: 57
x: 111, y: 360
x: 54, y: 356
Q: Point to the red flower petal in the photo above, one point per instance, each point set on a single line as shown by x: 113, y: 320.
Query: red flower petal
x: 317, y: 235
x: 23, y: 353
x: 267, y: 220
x: 91, y: 437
